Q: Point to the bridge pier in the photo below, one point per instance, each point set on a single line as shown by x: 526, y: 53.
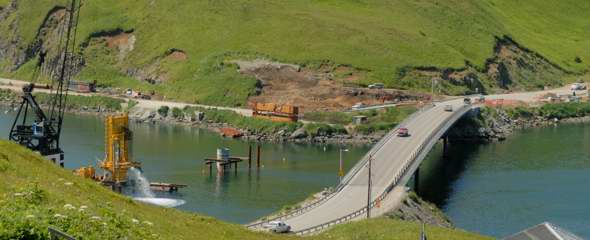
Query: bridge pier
x: 445, y: 145
x: 417, y: 180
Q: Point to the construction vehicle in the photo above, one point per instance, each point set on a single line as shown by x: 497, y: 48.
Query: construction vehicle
x: 275, y: 112
x: 82, y: 87
x: 118, y: 157
x: 41, y: 131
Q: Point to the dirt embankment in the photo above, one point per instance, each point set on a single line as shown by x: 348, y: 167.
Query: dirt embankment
x: 45, y: 47
x: 413, y: 208
x: 511, y: 68
x: 325, y: 88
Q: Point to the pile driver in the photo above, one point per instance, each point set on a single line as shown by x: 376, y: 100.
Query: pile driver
x: 41, y: 132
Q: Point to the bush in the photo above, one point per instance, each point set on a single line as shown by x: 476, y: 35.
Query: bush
x: 163, y: 111
x: 321, y: 129
x: 177, y: 113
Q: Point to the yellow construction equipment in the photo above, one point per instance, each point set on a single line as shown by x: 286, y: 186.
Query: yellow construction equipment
x: 117, y: 153
x: 117, y: 144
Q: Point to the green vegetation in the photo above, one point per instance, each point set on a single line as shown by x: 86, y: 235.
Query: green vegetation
x: 163, y: 111
x: 377, y: 120
x: 90, y: 102
x: 7, y: 95
x: 322, y: 129
x: 177, y: 113
x: 391, y: 229
x: 236, y: 120
x: 73, y: 101
x: 551, y: 111
x: 36, y: 194
x: 380, y: 36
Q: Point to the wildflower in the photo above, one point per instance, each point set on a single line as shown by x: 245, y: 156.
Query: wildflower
x: 96, y: 218
x: 148, y: 223
x: 134, y: 220
x: 57, y: 215
x: 69, y: 207
x: 18, y: 194
x: 68, y: 183
x: 30, y: 216
x: 83, y: 207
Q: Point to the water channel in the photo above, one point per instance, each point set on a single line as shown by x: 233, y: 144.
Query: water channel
x: 495, y: 189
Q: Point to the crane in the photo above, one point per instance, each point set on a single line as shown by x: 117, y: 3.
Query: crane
x: 41, y: 131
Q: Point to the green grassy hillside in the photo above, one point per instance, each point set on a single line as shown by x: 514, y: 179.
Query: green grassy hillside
x: 35, y: 194
x: 380, y: 36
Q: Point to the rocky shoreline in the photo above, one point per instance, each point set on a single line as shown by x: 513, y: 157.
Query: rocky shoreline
x: 300, y: 135
x: 498, y: 125
x: 148, y: 116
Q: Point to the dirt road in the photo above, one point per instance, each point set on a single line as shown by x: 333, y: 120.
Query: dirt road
x: 16, y: 85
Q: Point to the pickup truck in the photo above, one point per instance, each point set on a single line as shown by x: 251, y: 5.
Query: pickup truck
x: 377, y: 86
x: 277, y: 227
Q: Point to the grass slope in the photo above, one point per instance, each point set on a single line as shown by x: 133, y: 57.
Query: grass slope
x: 36, y: 194
x: 381, y: 36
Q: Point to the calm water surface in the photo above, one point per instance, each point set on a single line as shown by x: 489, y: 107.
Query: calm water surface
x: 290, y: 172
x: 495, y: 189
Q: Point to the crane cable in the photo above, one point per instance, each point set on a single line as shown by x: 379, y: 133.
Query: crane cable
x: 69, y: 76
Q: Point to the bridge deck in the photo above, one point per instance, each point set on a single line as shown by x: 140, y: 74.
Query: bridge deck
x: 388, y: 161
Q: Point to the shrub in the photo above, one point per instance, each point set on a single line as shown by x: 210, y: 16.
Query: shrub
x: 177, y: 113
x: 163, y: 111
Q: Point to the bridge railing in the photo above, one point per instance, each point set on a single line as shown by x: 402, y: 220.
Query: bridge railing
x: 346, y: 179
x: 396, y: 178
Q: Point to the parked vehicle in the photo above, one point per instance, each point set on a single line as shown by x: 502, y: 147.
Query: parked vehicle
x: 448, y: 108
x: 278, y: 227
x: 403, y: 132
x: 358, y: 106
x: 467, y: 101
x: 578, y: 86
x: 377, y: 86
x: 482, y: 99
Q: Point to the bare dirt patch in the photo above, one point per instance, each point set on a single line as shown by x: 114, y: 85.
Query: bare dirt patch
x: 321, y: 89
x: 177, y: 55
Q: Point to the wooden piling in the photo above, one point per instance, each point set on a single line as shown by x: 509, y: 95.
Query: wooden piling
x: 249, y: 156
x: 258, y: 156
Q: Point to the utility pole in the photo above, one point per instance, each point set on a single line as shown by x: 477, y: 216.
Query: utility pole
x: 369, y: 189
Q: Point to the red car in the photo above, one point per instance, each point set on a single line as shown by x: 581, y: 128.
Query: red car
x: 403, y: 132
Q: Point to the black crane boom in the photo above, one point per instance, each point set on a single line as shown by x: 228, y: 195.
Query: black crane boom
x: 42, y: 133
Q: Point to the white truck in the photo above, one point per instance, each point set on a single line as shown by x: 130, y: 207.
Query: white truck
x: 577, y: 86
x: 277, y: 227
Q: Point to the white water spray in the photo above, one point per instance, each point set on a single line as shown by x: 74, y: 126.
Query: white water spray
x: 142, y: 185
x: 144, y: 193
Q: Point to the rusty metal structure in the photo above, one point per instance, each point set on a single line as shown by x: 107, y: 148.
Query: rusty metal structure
x: 275, y: 112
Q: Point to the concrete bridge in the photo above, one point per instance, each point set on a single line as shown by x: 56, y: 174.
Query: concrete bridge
x: 392, y: 162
